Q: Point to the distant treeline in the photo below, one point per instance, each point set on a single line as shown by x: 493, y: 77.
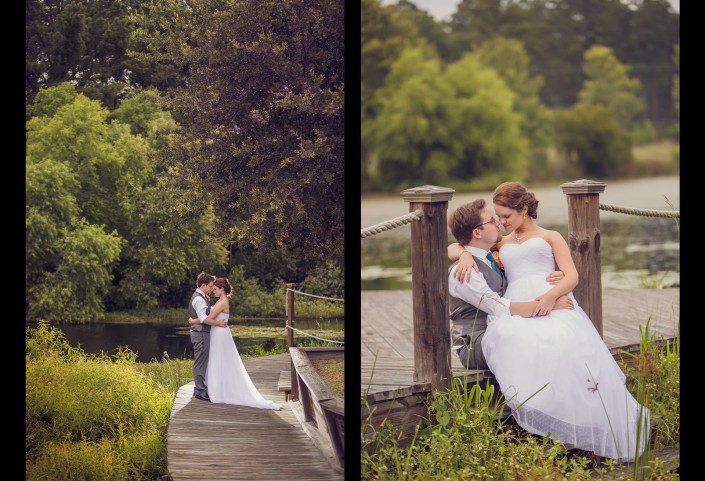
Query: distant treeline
x: 504, y: 89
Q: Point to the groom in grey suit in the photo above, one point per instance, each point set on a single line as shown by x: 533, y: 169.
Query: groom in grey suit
x: 199, y: 307
x: 477, y: 230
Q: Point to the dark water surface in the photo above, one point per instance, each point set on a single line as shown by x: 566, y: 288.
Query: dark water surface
x: 151, y: 340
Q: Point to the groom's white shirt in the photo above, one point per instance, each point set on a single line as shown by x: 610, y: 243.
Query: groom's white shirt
x: 477, y: 292
x: 200, y: 304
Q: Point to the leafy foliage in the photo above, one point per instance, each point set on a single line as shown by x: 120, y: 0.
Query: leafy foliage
x: 438, y: 126
x: 90, y: 417
x: 262, y: 119
x: 591, y: 136
x: 99, y: 213
x: 249, y: 298
x: 608, y: 83
x: 79, y: 41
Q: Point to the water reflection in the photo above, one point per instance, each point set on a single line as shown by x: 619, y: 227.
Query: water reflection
x: 633, y: 250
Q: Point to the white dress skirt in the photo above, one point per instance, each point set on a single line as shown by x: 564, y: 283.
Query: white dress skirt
x: 556, y: 371
x: 227, y: 379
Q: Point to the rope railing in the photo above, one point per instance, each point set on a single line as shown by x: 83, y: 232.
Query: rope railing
x: 391, y: 224
x: 641, y: 212
x: 311, y: 295
x: 290, y: 319
x: 315, y: 337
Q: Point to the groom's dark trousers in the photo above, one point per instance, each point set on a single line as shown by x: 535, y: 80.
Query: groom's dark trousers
x: 201, y: 340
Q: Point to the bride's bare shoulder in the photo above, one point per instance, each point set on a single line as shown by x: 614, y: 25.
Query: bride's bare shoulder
x: 225, y: 302
x: 553, y: 236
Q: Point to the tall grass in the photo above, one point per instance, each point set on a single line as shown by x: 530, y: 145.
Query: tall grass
x: 91, y: 417
x: 464, y: 436
x: 97, y: 417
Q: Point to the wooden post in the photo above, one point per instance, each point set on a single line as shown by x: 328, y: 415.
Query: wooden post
x: 290, y: 336
x: 429, y: 269
x: 584, y: 241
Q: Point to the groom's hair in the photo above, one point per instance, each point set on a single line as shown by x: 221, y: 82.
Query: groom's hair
x: 464, y: 219
x: 204, y: 278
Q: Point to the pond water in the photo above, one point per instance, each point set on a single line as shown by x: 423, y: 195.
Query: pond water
x: 635, y: 250
x: 151, y: 340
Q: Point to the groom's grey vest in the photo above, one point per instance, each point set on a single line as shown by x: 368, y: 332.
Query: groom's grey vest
x: 192, y: 312
x: 462, y: 315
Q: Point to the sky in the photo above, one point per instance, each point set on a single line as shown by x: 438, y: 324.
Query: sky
x: 443, y: 9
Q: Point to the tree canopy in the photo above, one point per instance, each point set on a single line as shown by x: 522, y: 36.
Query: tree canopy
x: 179, y: 137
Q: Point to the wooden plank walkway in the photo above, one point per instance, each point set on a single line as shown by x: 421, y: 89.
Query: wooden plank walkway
x: 387, y: 342
x: 209, y: 441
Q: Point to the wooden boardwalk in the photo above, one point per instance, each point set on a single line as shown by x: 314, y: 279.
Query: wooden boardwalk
x: 387, y: 342
x: 208, y: 441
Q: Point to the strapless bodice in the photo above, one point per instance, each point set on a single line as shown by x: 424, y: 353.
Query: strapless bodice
x: 526, y: 266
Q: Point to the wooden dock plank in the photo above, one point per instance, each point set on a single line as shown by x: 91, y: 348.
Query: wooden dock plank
x: 210, y: 441
x: 387, y: 351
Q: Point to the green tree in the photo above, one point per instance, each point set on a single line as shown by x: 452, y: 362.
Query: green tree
x: 474, y: 23
x: 591, y: 137
x: 385, y: 33
x: 74, y: 290
x: 484, y: 124
x: 80, y: 41
x: 610, y: 85
x: 143, y: 111
x: 652, y: 31
x: 172, y: 237
x: 428, y: 29
x: 107, y: 160
x: 88, y: 172
x: 408, y: 134
x: 452, y: 127
x: 157, y: 42
x: 263, y: 120
x: 48, y: 101
x: 50, y: 208
x: 509, y: 59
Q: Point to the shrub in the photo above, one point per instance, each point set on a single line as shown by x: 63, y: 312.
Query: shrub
x: 590, y: 136
x: 91, y: 417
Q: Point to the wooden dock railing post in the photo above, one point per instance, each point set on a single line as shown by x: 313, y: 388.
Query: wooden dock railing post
x: 429, y: 270
x: 290, y: 336
x: 584, y: 241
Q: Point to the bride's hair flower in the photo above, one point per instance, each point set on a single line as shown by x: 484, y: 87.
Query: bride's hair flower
x: 495, y: 254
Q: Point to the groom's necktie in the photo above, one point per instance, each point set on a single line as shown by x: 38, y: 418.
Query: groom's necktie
x: 493, y: 263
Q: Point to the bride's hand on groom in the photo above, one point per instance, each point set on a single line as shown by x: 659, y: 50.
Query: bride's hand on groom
x: 547, y: 303
x: 466, y: 264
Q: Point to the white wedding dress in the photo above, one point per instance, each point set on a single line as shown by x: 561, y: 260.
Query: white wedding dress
x: 226, y: 377
x: 585, y: 403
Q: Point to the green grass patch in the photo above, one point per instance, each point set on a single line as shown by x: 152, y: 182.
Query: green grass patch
x: 96, y: 416
x: 91, y: 417
x: 664, y: 151
x: 463, y: 438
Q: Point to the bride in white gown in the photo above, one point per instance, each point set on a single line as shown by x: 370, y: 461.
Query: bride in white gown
x: 554, y: 369
x: 227, y: 379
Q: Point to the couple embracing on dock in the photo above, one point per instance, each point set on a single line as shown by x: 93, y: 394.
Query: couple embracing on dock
x: 218, y: 371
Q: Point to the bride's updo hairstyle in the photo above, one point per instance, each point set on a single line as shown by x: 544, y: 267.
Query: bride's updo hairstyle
x: 223, y: 283
x: 513, y: 195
